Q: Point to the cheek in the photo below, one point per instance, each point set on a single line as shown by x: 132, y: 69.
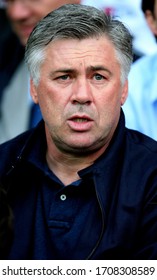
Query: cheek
x: 53, y: 96
x: 50, y: 104
x: 110, y: 99
x: 109, y: 106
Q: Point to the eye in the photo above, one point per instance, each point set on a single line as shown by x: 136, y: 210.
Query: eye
x: 98, y: 77
x: 63, y: 77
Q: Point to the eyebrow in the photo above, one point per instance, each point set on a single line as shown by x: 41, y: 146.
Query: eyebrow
x: 90, y: 68
x: 98, y: 68
x: 64, y: 70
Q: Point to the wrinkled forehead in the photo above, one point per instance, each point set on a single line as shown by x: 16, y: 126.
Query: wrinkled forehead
x: 81, y: 53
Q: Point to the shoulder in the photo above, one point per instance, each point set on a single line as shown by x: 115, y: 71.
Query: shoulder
x: 141, y: 143
x: 11, y: 150
x: 15, y: 142
x: 140, y: 163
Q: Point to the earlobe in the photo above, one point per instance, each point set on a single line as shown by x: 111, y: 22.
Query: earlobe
x: 151, y: 21
x: 33, y: 92
x: 124, y: 93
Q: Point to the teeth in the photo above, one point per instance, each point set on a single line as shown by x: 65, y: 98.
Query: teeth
x: 80, y: 120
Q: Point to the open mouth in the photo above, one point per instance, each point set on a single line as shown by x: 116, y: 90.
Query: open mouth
x: 80, y: 120
x: 80, y: 123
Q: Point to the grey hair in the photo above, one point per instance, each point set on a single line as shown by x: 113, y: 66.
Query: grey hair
x: 77, y: 21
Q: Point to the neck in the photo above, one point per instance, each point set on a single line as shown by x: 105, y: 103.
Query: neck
x: 65, y: 166
x: 66, y: 169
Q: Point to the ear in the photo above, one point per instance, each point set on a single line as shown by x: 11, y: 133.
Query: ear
x: 151, y: 21
x: 124, y: 93
x: 33, y: 92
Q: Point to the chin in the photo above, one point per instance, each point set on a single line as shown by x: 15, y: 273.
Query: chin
x: 80, y: 150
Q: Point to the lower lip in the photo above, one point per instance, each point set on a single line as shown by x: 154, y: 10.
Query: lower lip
x: 80, y: 126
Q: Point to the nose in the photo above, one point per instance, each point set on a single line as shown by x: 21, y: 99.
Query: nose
x: 82, y: 92
x: 17, y: 10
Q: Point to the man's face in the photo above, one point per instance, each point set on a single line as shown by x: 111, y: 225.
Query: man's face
x: 24, y: 14
x: 80, y: 93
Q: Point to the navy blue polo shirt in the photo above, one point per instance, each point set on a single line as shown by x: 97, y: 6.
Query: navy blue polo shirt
x: 65, y: 215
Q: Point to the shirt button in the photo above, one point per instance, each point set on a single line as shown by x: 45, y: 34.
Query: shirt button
x: 63, y: 197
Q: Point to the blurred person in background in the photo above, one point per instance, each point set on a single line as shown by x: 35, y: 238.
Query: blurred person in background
x: 17, y: 111
x: 141, y: 106
x: 11, y: 51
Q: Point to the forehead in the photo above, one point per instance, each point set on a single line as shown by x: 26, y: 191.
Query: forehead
x: 99, y: 47
x: 80, y: 55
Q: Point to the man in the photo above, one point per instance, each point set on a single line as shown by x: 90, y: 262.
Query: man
x: 141, y: 106
x: 81, y: 185
x: 16, y: 111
